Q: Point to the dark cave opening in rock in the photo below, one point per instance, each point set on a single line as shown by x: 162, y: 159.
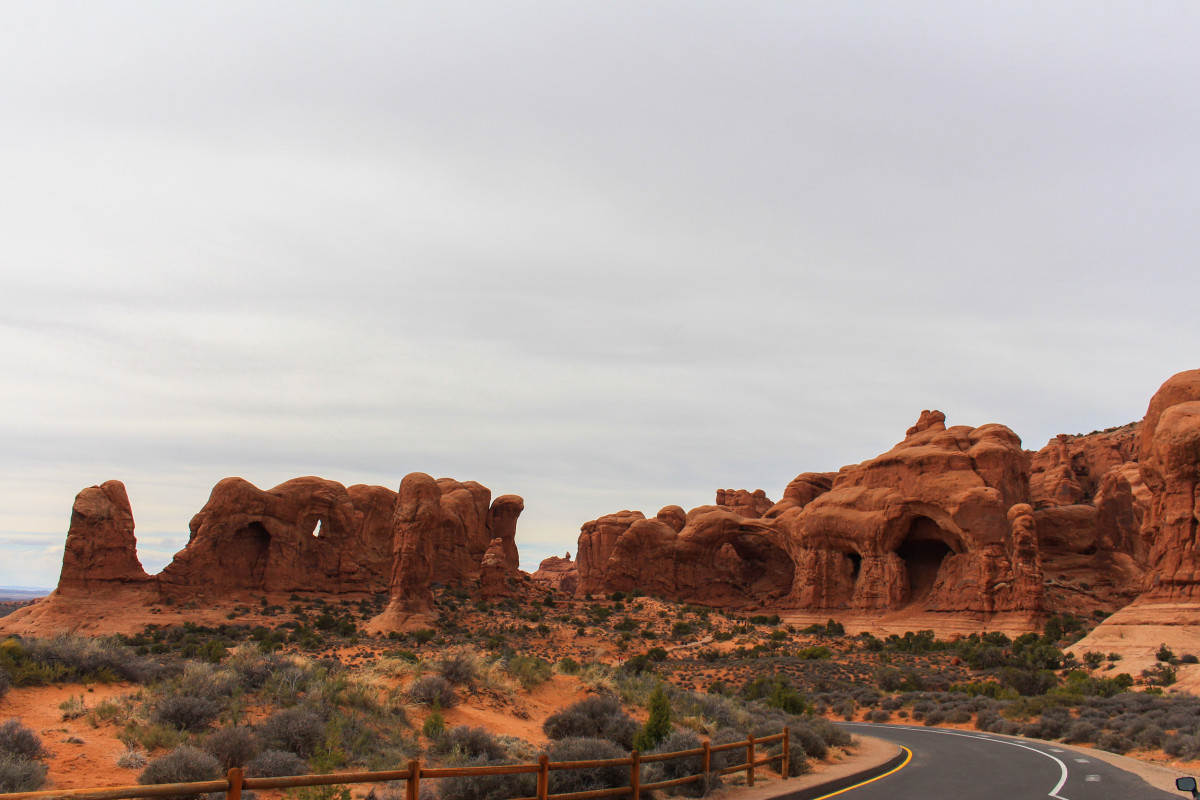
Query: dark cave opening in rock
x: 923, y: 550
x: 855, y: 565
x: 247, y: 553
x: 763, y: 568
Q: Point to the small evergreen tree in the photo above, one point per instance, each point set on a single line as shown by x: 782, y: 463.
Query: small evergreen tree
x: 658, y: 726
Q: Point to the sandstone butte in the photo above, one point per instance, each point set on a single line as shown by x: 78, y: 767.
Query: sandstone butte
x: 954, y: 529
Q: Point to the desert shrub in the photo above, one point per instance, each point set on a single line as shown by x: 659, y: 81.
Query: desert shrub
x: 275, y: 764
x: 254, y: 669
x: 429, y: 689
x: 1152, y: 736
x: 185, y: 712
x: 1082, y: 731
x: 725, y: 759
x: 530, y: 671
x: 681, y: 767
x: 296, y: 730
x: 595, y: 717
x: 17, y: 740
x: 1182, y: 745
x: 460, y: 669
x: 80, y: 658
x: 232, y: 747
x: 716, y: 711
x: 775, y: 691
x: 832, y: 734
x: 488, y: 787
x: 184, y: 764
x: 881, y: 715
x: 465, y: 743
x: 5, y: 682
x: 566, y: 665
x: 132, y: 758
x: 563, y: 781
x: 1114, y: 742
x: 808, y: 740
x: 20, y: 774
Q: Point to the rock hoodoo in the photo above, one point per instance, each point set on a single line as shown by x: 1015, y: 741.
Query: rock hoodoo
x: 101, y: 547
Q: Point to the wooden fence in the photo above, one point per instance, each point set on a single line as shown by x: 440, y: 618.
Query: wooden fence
x: 235, y: 782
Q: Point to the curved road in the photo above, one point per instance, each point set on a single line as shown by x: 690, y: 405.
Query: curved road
x: 970, y: 765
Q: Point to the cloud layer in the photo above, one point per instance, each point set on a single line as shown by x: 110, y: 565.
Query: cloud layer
x: 603, y: 257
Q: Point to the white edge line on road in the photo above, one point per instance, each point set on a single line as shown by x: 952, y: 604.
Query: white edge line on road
x: 1062, y: 781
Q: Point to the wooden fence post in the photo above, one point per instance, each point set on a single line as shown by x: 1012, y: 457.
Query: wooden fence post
x: 706, y: 758
x: 414, y: 779
x: 543, y: 778
x: 635, y: 775
x: 750, y: 760
x: 786, y: 752
x: 234, y: 776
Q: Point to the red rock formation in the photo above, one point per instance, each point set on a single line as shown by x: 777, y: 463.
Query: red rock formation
x: 1169, y: 457
x: 307, y: 534
x: 751, y: 505
x: 717, y: 558
x: 502, y: 524
x: 1069, y: 469
x: 493, y: 571
x: 923, y: 527
x: 101, y: 547
x: 597, y: 539
x: 420, y: 521
x: 560, y: 574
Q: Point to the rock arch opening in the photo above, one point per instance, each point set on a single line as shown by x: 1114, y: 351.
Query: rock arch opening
x: 923, y: 551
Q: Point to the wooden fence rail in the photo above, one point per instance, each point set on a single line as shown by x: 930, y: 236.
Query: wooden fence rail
x: 234, y: 782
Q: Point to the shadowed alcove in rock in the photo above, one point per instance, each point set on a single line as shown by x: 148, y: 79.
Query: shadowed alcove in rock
x: 923, y: 551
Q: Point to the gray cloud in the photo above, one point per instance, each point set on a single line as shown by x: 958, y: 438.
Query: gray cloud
x: 603, y: 257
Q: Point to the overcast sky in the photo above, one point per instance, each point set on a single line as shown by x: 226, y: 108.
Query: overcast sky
x: 601, y: 255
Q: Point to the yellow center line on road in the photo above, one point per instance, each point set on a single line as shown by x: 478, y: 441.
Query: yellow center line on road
x: 902, y: 765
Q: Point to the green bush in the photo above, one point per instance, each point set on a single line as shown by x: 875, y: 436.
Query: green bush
x: 658, y: 725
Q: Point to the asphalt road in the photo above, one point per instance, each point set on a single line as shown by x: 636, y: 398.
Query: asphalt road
x: 966, y: 765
